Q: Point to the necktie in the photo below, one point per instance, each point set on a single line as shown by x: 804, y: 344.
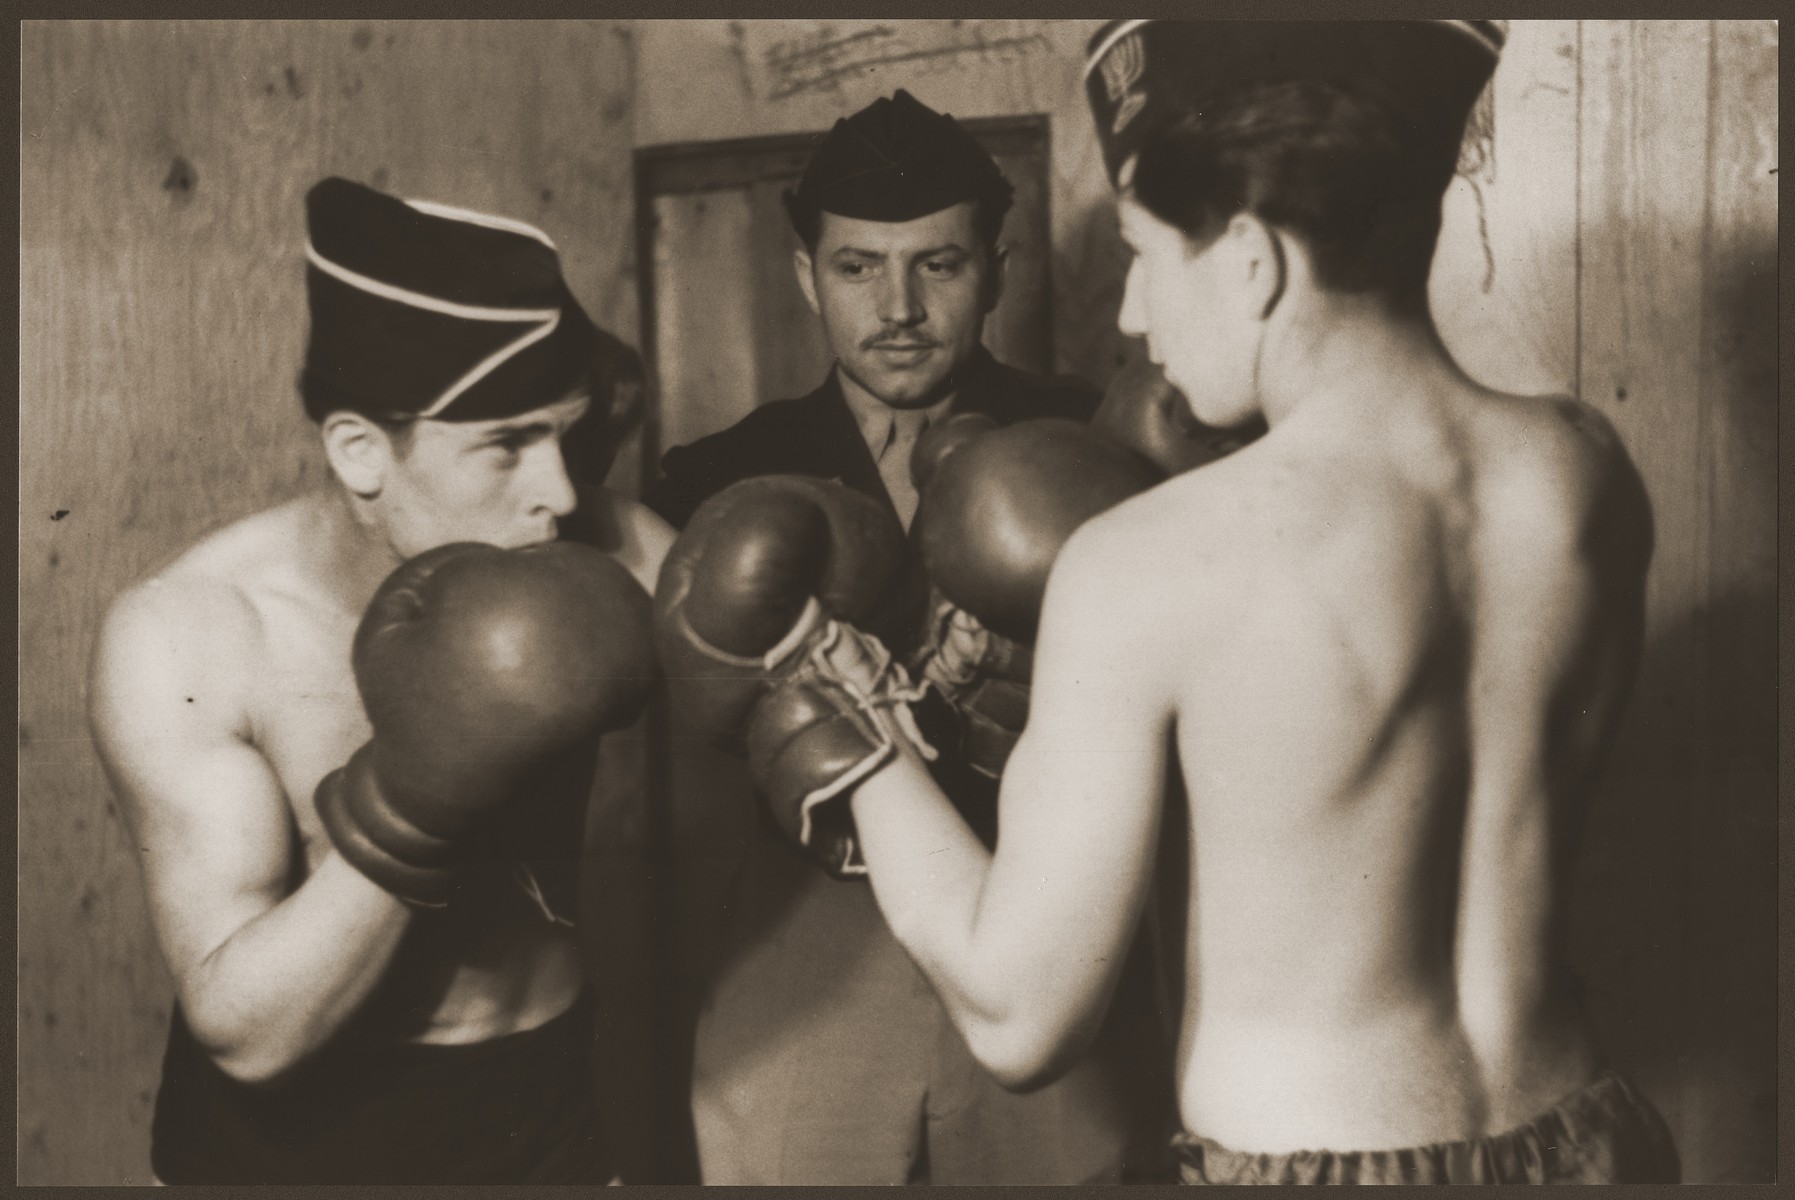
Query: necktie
x: 894, y: 462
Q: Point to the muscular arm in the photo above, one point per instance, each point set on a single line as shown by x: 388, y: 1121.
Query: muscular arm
x: 265, y: 974
x: 1024, y: 946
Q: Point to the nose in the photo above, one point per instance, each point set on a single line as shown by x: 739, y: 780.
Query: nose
x: 1132, y: 320
x: 900, y: 304
x: 551, y: 489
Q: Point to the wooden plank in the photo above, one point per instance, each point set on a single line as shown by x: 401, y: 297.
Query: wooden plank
x: 1644, y: 162
x: 1020, y: 331
x: 791, y: 354
x: 1731, y: 1094
x: 704, y: 294
x: 162, y: 167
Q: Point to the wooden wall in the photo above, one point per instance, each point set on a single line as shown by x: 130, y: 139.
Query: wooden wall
x: 1677, y: 335
x: 1619, y: 241
x: 1614, y: 233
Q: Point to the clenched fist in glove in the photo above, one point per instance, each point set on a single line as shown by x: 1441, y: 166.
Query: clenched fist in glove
x: 997, y: 506
x: 481, y: 670
x: 984, y: 677
x: 756, y: 616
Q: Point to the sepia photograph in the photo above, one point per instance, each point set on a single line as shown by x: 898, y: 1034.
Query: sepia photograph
x: 897, y: 601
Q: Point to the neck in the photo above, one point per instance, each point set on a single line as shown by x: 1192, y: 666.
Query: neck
x: 348, y: 547
x: 1348, y: 351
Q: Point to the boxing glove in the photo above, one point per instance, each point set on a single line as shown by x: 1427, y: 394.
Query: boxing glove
x: 985, y: 678
x: 999, y: 507
x: 482, y: 671
x: 980, y: 680
x: 755, y: 618
x: 1142, y: 410
x: 941, y: 439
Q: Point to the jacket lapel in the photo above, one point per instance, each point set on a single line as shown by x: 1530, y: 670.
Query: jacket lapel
x: 839, y: 450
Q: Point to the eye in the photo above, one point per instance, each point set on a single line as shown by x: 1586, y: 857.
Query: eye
x: 942, y: 268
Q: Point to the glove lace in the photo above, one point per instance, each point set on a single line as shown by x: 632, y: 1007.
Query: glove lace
x: 889, y: 688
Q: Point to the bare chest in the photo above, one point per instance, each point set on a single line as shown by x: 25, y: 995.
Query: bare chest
x: 307, y: 717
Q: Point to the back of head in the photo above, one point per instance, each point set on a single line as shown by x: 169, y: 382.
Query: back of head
x: 619, y: 390
x: 897, y: 159
x: 1343, y: 133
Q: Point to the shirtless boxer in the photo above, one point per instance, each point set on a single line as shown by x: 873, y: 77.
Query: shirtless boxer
x: 344, y: 1014
x: 1386, y: 647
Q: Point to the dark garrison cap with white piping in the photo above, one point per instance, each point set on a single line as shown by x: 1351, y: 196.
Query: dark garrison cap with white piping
x: 421, y: 309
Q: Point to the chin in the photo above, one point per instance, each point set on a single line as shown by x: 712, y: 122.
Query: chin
x: 911, y: 391
x: 897, y: 387
x: 1217, y: 412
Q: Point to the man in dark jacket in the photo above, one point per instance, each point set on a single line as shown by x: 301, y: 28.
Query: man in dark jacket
x: 822, y: 1056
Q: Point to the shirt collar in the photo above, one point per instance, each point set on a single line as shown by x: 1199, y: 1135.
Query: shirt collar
x: 874, y: 417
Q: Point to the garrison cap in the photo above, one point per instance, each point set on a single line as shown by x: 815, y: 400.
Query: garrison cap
x: 897, y: 159
x: 1143, y: 75
x: 423, y: 310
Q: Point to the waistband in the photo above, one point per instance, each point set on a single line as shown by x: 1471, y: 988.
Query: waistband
x: 1606, y: 1131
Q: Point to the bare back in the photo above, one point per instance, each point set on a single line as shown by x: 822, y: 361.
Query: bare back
x: 1406, y: 655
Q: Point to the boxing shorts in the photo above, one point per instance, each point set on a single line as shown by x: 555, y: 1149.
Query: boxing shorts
x: 1605, y: 1133
x: 512, y: 1109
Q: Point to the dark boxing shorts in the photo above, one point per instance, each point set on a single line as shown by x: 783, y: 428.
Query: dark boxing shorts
x: 1606, y: 1133
x: 513, y: 1109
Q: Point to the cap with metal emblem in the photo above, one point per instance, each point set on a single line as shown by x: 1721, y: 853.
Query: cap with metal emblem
x: 1142, y: 75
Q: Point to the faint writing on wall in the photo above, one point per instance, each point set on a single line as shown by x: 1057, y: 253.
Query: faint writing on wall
x: 825, y: 57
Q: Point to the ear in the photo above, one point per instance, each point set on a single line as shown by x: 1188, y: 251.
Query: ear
x: 806, y: 269
x: 1257, y: 254
x: 359, y: 452
x: 994, y: 281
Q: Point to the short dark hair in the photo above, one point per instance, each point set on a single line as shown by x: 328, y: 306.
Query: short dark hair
x: 987, y: 218
x: 399, y: 428
x: 1337, y: 168
x: 617, y: 385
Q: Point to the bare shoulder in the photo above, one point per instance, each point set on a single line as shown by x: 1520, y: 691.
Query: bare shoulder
x: 190, y: 633
x: 1214, y: 518
x: 176, y: 631
x: 1557, y: 432
x: 624, y: 528
x: 1559, y: 466
x: 1183, y: 543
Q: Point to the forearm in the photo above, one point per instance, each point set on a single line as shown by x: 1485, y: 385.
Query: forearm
x: 928, y: 872
x: 287, y: 980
